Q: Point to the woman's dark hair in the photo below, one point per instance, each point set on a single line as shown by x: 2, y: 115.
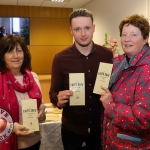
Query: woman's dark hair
x: 7, y: 44
x: 138, y: 21
x: 81, y: 12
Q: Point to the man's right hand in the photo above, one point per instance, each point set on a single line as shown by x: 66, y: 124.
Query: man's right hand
x: 63, y: 98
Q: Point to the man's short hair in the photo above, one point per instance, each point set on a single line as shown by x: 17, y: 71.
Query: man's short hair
x: 81, y: 12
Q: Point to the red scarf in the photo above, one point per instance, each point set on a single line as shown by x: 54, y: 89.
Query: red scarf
x: 9, y: 102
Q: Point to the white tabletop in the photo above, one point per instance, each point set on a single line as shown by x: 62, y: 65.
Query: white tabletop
x: 51, y: 136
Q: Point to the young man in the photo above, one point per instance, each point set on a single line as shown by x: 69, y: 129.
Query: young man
x: 79, y: 123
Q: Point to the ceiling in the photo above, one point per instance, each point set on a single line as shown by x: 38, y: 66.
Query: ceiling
x: 46, y: 3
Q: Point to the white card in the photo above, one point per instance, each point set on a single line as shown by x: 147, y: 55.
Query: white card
x: 103, y: 77
x: 29, y: 114
x: 77, y: 85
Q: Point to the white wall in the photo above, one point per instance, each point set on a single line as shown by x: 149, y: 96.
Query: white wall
x: 109, y: 13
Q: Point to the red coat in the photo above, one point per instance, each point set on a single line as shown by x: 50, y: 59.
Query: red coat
x: 127, y: 119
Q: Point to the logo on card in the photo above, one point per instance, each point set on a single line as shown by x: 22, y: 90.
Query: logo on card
x: 6, y: 125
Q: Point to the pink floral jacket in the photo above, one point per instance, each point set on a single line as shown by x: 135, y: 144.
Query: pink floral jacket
x: 127, y: 119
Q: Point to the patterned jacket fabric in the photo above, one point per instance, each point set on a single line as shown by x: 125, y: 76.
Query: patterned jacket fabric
x: 127, y: 118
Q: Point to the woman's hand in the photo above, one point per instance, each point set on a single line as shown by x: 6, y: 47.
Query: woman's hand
x: 21, y: 130
x: 106, y: 97
x: 42, y: 113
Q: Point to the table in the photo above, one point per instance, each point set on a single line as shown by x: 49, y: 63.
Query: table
x: 51, y: 135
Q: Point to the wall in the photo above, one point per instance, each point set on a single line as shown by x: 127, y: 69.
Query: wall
x: 109, y: 13
x: 49, y: 32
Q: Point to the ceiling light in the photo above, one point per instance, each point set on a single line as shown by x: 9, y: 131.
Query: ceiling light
x: 57, y: 0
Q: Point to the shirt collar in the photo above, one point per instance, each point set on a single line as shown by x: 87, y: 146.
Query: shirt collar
x: 79, y: 53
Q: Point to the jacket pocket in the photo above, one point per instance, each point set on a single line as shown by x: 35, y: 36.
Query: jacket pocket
x: 127, y: 137
x: 130, y: 141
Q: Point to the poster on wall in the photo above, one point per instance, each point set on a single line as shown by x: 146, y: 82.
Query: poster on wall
x: 16, y: 25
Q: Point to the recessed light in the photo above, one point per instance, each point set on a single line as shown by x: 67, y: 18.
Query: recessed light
x: 57, y: 0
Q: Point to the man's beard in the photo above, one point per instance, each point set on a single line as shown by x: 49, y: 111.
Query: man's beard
x: 83, y: 45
